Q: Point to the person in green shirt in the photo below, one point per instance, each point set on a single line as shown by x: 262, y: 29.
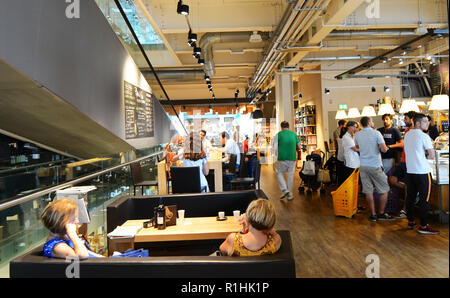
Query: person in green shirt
x: 286, y: 144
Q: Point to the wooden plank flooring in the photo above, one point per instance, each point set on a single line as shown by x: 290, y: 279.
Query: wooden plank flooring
x: 329, y: 246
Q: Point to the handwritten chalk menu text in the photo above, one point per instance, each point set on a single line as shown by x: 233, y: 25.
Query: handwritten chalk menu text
x: 138, y: 112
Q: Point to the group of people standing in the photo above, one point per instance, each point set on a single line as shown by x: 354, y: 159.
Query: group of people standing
x: 374, y: 151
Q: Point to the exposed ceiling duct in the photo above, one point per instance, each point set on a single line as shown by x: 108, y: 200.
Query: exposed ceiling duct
x: 209, y: 39
x: 369, y: 34
x: 295, y: 22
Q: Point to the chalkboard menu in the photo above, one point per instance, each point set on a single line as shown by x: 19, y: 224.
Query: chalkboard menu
x: 138, y: 112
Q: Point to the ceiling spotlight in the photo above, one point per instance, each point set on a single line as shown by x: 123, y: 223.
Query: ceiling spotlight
x: 196, y: 56
x: 384, y: 60
x: 401, y: 61
x: 192, y: 43
x: 197, y: 50
x: 207, y: 78
x: 387, y: 89
x: 236, y: 94
x: 373, y: 89
x: 192, y: 36
x: 201, y: 61
x: 182, y: 8
x: 327, y: 91
x: 428, y: 57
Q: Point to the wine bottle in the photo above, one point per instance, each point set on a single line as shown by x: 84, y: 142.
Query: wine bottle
x: 161, y: 217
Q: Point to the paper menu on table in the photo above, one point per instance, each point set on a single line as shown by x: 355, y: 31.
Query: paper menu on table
x: 129, y: 231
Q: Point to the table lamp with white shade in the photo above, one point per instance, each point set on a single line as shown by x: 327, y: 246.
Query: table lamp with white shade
x: 368, y: 111
x: 439, y: 103
x: 386, y: 108
x: 340, y: 115
x: 409, y: 105
x: 353, y: 113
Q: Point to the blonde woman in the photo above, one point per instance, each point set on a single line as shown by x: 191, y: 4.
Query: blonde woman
x: 61, y: 218
x: 258, y: 237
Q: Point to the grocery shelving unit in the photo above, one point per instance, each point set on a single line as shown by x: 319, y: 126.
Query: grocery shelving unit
x: 305, y: 127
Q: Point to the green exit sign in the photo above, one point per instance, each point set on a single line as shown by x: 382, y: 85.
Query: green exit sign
x: 343, y: 107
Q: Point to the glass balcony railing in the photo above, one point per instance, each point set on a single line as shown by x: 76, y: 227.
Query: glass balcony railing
x: 20, y: 225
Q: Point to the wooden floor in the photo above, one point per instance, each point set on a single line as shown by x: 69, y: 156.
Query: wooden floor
x: 329, y: 246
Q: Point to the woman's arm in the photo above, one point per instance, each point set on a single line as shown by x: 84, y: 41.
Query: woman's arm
x: 226, y: 248
x: 63, y: 250
x: 205, y: 168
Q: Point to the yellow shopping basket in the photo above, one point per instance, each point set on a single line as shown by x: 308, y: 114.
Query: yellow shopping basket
x: 345, y: 198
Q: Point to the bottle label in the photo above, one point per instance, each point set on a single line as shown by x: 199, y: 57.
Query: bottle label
x: 160, y: 220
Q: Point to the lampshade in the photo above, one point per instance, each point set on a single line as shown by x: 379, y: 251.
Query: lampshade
x: 368, y: 111
x: 386, y: 108
x: 353, y: 113
x: 340, y: 115
x: 439, y: 102
x: 409, y: 105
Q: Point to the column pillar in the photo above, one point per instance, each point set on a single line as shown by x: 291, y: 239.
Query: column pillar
x: 283, y: 100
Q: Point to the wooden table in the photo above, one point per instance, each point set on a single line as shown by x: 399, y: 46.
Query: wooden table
x: 192, y: 228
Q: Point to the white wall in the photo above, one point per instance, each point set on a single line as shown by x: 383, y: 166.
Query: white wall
x: 356, y: 93
x: 80, y: 60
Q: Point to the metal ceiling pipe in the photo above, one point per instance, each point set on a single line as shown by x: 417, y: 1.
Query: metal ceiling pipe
x: 311, y: 14
x: 289, y: 36
x: 369, y: 34
x: 308, y: 19
x: 209, y: 39
x: 288, y: 18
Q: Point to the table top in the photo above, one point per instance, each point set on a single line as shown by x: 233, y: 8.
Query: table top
x: 191, y: 228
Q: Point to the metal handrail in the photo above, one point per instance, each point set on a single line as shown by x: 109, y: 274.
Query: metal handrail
x: 46, y: 191
x: 26, y: 168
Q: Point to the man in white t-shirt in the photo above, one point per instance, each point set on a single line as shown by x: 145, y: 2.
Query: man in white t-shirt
x: 419, y: 148
x: 231, y: 147
x: 351, y: 156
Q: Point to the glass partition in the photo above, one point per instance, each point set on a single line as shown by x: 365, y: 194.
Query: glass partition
x: 21, y: 228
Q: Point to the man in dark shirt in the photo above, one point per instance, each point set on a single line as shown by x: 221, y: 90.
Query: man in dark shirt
x: 432, y: 130
x: 393, y: 139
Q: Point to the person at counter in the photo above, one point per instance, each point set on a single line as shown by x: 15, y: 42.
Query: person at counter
x: 231, y: 147
x: 194, y: 156
x: 258, y: 236
x: 351, y: 156
x: 419, y: 148
x: 60, y: 217
x: 370, y: 143
x: 207, y: 147
x: 432, y: 129
x: 393, y: 139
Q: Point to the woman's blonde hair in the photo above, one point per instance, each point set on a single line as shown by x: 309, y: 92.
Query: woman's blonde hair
x: 56, y: 215
x: 261, y: 214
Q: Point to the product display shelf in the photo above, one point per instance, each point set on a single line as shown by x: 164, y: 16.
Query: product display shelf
x: 305, y: 126
x: 440, y: 189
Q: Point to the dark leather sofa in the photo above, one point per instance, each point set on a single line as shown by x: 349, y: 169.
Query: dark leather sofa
x: 196, y: 205
x: 177, y: 259
x: 278, y: 265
